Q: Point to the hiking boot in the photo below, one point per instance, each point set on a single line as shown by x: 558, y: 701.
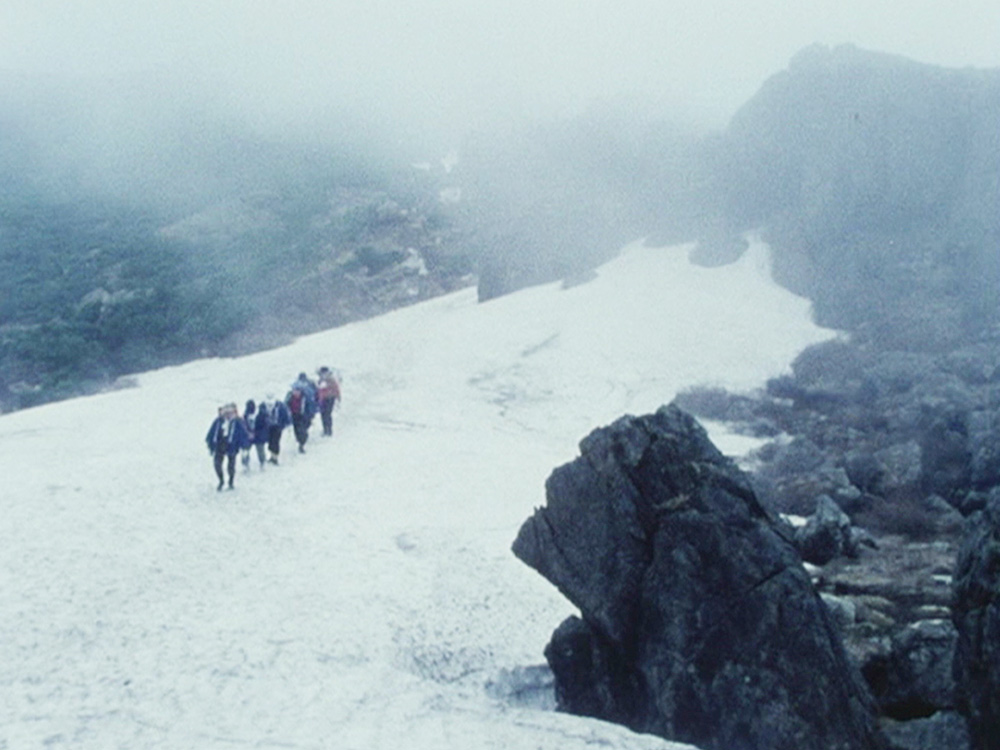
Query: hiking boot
x: 219, y: 488
x: 302, y: 449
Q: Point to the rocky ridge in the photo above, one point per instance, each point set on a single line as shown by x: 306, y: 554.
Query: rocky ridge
x: 890, y: 455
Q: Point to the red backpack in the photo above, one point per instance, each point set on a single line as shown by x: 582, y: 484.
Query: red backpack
x: 328, y: 388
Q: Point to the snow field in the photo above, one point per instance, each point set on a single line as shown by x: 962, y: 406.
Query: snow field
x: 362, y: 595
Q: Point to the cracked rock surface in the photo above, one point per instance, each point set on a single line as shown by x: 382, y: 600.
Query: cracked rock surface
x: 698, y: 621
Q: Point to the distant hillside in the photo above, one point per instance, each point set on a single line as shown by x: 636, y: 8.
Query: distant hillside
x: 878, y: 181
x: 136, y: 234
x: 108, y: 269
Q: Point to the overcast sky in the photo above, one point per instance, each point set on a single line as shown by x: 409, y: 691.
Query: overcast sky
x: 461, y: 62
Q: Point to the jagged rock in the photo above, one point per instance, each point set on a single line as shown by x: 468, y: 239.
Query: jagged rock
x: 976, y: 614
x: 826, y: 535
x: 914, y: 679
x: 698, y: 621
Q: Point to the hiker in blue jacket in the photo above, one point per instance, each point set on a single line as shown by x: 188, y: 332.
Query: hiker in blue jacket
x: 226, y: 436
x: 249, y: 418
x: 279, y: 420
x: 261, y: 432
x: 311, y: 391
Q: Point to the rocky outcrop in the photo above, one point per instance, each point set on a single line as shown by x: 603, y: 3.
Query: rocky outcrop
x: 874, y: 178
x: 898, y: 422
x: 698, y: 621
x: 976, y: 614
x: 915, y: 436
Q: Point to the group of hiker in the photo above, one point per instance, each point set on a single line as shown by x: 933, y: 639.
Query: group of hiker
x: 261, y: 425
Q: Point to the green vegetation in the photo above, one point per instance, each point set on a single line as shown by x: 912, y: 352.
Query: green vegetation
x: 92, y: 289
x: 88, y: 293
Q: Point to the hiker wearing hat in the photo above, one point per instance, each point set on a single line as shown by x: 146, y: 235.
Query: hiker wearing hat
x: 301, y: 401
x: 227, y: 435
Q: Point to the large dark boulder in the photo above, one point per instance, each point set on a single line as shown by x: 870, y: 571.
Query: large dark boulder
x: 976, y: 614
x: 914, y: 678
x: 698, y: 621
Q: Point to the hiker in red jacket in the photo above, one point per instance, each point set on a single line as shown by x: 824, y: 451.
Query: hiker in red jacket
x: 328, y: 393
x: 301, y: 401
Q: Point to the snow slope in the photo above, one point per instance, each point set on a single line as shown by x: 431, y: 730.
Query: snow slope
x: 361, y: 595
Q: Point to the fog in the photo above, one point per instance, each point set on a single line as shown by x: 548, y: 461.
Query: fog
x: 176, y: 105
x: 437, y: 69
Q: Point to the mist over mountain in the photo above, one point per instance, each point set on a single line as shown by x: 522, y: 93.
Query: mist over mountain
x: 876, y: 178
x: 148, y: 226
x: 139, y: 232
x: 144, y: 222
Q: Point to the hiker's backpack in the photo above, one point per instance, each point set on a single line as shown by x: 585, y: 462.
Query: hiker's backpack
x: 328, y: 388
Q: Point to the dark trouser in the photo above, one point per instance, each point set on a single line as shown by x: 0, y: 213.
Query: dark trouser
x: 326, y: 414
x: 221, y: 456
x: 300, y: 424
x: 274, y: 441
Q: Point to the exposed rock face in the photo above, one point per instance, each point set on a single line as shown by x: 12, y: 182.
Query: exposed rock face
x: 976, y: 614
x: 896, y: 243
x: 699, y: 622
